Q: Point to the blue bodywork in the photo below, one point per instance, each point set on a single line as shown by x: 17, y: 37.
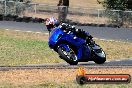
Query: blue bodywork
x: 60, y: 38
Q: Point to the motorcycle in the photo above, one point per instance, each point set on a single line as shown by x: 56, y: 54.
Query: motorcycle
x: 74, y: 49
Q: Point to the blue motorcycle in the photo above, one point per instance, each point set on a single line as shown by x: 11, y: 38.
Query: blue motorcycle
x: 74, y: 49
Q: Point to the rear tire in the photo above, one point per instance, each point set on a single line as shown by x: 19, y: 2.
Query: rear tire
x: 69, y: 58
x: 99, y: 59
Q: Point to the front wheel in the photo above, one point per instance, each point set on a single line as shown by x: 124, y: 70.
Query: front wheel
x: 69, y: 56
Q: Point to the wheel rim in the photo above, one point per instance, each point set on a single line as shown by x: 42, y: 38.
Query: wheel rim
x: 70, y: 54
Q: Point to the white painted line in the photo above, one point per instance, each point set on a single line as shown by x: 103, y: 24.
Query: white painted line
x: 6, y: 29
x: 28, y: 31
x: 17, y: 30
x: 130, y: 59
x: 109, y: 40
x: 117, y: 60
x: 102, y: 39
x: 38, y: 32
x: 46, y: 33
x: 107, y: 61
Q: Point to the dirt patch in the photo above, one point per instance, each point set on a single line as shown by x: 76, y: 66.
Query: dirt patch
x: 74, y: 3
x: 36, y: 77
x: 74, y: 18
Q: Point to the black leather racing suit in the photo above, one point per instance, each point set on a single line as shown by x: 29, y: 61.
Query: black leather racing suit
x: 78, y: 32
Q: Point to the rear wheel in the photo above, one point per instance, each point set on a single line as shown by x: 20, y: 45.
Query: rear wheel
x: 69, y: 56
x: 99, y: 58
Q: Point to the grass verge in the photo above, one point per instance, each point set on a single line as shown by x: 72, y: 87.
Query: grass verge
x: 56, y: 78
x: 21, y: 48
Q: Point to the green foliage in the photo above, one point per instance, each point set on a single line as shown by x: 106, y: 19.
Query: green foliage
x: 115, y: 4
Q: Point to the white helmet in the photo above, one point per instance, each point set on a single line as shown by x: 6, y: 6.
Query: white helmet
x: 51, y: 23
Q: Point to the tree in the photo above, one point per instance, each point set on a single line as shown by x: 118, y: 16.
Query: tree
x: 129, y: 4
x: 116, y: 4
x: 119, y: 17
x: 121, y: 5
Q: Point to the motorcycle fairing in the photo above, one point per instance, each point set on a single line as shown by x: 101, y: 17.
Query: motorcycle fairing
x: 83, y: 51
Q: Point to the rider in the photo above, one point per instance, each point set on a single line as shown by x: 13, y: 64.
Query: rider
x: 51, y: 23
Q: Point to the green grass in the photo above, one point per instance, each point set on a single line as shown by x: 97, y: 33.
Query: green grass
x: 21, y: 48
x: 19, y: 51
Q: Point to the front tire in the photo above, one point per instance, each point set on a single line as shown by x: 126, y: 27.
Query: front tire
x: 70, y: 57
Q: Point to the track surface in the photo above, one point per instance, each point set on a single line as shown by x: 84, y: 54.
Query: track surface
x: 123, y: 34
x: 108, y: 64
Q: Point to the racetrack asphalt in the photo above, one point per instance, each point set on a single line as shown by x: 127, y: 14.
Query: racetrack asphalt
x: 120, y: 34
x: 108, y: 64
